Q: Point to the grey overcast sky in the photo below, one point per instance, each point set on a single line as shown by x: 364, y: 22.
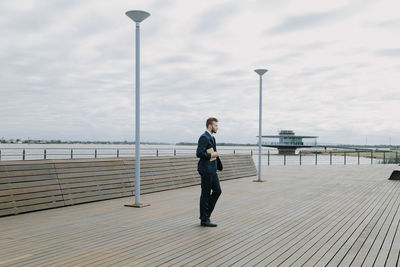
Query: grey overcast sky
x: 67, y: 69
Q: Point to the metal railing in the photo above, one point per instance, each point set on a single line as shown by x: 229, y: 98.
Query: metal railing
x: 331, y: 158
x: 7, y: 154
x: 268, y: 157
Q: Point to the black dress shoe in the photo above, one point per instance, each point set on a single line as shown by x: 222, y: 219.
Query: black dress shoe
x: 208, y: 224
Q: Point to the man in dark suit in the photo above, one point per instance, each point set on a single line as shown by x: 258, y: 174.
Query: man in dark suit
x: 207, y: 167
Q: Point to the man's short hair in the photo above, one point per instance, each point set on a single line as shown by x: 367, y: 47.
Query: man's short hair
x: 210, y: 121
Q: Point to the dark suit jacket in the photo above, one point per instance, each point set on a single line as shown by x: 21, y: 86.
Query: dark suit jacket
x: 206, y: 141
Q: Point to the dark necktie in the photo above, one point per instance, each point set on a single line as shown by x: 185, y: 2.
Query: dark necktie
x: 215, y: 145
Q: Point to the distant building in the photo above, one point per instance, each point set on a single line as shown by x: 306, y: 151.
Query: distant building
x: 287, y: 142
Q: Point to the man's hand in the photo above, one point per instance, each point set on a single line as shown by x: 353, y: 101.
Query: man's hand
x: 215, y: 154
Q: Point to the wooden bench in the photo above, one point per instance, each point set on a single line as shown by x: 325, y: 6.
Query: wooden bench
x: 41, y: 184
x: 28, y: 186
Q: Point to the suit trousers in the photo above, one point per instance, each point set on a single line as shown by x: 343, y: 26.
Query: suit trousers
x: 208, y: 199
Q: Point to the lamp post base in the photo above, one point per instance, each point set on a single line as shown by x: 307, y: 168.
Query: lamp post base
x: 140, y: 205
x: 259, y: 181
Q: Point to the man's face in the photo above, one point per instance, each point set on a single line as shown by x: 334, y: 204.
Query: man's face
x: 214, y: 127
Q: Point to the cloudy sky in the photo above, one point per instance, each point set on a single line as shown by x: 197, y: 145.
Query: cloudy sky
x: 67, y: 69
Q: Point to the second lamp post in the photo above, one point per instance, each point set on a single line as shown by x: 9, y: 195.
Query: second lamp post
x: 260, y: 72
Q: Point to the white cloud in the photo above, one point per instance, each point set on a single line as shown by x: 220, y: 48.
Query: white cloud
x: 66, y: 69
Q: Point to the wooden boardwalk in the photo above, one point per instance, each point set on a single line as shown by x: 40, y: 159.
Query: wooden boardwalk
x: 302, y: 215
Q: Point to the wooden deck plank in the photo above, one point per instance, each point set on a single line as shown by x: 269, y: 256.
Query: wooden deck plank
x: 263, y: 238
x: 393, y: 258
x: 330, y: 249
x: 381, y: 246
x: 360, y: 249
x: 124, y: 248
x: 350, y: 238
x: 313, y: 246
x: 271, y: 250
x: 344, y: 225
x: 363, y: 190
x: 297, y: 215
x: 188, y: 246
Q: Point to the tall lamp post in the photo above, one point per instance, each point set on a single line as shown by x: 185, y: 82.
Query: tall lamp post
x: 137, y: 16
x: 260, y: 72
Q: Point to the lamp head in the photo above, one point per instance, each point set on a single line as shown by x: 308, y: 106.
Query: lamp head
x: 137, y: 15
x: 261, y: 71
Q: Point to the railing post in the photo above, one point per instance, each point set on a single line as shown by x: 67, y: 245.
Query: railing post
x: 344, y: 158
x: 284, y: 159
x: 174, y: 152
x: 330, y: 157
x: 157, y: 152
x: 234, y: 152
x: 316, y: 158
x: 95, y: 153
x: 372, y: 157
x: 23, y: 154
x: 300, y: 157
x: 44, y: 154
x: 358, y: 157
x: 72, y: 153
x: 268, y: 157
x: 384, y: 157
x: 251, y: 152
x: 117, y: 152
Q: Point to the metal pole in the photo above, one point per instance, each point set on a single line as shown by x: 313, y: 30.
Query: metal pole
x: 284, y: 159
x: 358, y: 157
x: 44, y: 154
x: 300, y: 157
x: 344, y: 158
x: 384, y: 157
x: 268, y: 157
x: 23, y: 154
x: 117, y: 153
x: 157, y: 153
x: 72, y: 153
x: 260, y: 132
x: 137, y: 16
x: 316, y: 158
x: 137, y: 141
x: 95, y: 153
x: 372, y: 157
x: 330, y: 157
